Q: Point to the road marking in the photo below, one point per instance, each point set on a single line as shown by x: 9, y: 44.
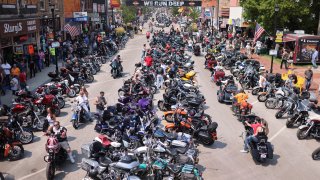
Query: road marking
x: 32, y: 174
x: 278, y: 133
x: 254, y: 102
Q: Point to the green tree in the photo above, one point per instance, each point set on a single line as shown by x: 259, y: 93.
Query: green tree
x: 129, y: 13
x: 293, y: 14
x: 194, y: 13
x: 175, y: 11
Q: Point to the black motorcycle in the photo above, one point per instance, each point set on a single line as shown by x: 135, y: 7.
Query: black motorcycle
x: 310, y: 130
x: 316, y: 154
x: 116, y: 69
x: 24, y: 135
x: 300, y: 116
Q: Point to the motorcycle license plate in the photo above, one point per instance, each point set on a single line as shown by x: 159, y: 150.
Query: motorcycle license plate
x: 263, y: 156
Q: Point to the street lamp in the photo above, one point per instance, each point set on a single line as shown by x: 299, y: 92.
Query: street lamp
x: 52, y: 6
x: 276, y: 10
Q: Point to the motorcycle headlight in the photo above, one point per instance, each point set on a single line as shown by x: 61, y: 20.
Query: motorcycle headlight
x: 50, y: 150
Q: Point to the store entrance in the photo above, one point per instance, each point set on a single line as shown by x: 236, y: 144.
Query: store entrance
x: 8, y: 54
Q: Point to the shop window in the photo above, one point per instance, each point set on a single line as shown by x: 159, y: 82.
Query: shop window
x: 42, y: 5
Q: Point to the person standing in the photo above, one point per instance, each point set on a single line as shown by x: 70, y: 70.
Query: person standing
x: 100, y: 103
x: 315, y: 56
x: 144, y: 49
x: 284, y: 59
x: 248, y: 50
x: 15, y: 71
x: 6, y: 67
x: 32, y: 68
x: 308, y: 76
x: 160, y: 73
x: 47, y: 58
x: 37, y: 61
x: 14, y: 83
x: 23, y: 80
x: 2, y: 82
x: 42, y: 57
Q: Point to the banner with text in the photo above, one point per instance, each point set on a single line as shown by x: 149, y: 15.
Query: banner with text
x: 162, y: 3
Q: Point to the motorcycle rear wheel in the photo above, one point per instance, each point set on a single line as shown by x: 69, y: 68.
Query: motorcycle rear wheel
x: 16, y: 152
x: 279, y: 114
x: 206, y: 142
x: 50, y: 171
x: 61, y: 103
x: 316, y: 154
x: 89, y: 78
x: 255, y: 91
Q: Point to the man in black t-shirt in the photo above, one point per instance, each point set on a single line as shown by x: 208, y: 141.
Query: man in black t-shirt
x: 61, y: 133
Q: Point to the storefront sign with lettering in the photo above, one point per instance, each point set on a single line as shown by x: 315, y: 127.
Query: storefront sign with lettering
x: 152, y: 3
x: 15, y: 28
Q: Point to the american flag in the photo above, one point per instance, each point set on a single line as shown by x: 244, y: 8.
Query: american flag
x: 259, y: 31
x: 73, y: 30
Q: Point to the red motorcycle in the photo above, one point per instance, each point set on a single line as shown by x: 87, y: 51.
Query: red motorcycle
x: 65, y: 88
x: 45, y: 101
x: 9, y: 147
x: 40, y: 91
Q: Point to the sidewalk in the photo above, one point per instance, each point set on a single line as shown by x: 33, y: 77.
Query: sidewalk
x: 298, y: 70
x: 40, y: 78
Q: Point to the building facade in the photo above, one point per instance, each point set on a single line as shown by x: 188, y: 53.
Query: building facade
x: 23, y: 23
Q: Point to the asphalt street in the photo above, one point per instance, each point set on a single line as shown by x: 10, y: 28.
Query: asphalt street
x: 223, y: 160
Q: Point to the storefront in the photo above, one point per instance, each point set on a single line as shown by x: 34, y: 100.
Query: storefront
x: 302, y: 46
x: 18, y: 37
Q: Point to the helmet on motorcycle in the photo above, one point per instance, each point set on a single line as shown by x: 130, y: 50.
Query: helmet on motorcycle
x: 192, y: 112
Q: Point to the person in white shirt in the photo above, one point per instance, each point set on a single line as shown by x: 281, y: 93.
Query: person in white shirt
x: 83, y: 101
x: 315, y: 57
x: 6, y: 67
x: 248, y: 50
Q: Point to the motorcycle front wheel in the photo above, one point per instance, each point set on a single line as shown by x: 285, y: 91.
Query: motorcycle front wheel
x: 270, y: 103
x: 316, y: 154
x: 61, y: 103
x: 71, y: 93
x: 26, y: 137
x: 262, y: 98
x: 75, y: 123
x: 302, y: 133
x: 50, y: 171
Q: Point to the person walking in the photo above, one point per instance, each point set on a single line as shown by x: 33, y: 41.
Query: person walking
x: 23, y: 80
x: 308, y: 76
x: 100, y: 103
x: 315, y: 57
x: 32, y: 68
x: 284, y: 59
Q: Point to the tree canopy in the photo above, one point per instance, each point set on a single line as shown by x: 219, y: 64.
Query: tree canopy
x: 292, y: 15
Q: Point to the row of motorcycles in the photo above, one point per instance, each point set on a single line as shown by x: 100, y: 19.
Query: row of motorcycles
x: 245, y: 71
x: 290, y: 102
x: 84, y: 69
x: 131, y: 143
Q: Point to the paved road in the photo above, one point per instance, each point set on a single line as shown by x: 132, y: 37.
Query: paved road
x: 221, y: 161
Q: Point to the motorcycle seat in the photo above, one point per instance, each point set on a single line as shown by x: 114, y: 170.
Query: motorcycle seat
x: 181, y: 150
x: 104, y: 161
x: 174, y: 168
x: 170, y: 136
x: 115, y: 144
x: 171, y: 151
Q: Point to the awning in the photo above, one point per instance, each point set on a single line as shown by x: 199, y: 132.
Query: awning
x: 288, y: 39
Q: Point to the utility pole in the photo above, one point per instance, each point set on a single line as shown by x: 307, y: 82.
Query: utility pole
x: 218, y: 2
x: 319, y: 25
x: 106, y: 10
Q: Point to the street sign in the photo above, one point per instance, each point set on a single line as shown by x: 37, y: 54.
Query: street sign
x: 55, y: 44
x: 273, y: 52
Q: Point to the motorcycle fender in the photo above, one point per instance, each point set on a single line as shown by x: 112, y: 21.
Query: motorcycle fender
x: 303, y: 126
x: 204, y: 134
x: 74, y: 116
x: 167, y: 112
x: 262, y: 93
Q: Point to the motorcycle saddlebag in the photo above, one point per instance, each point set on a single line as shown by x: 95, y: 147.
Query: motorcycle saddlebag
x: 85, y: 150
x: 89, y: 165
x: 183, y: 159
x: 212, y: 127
x: 188, y: 176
